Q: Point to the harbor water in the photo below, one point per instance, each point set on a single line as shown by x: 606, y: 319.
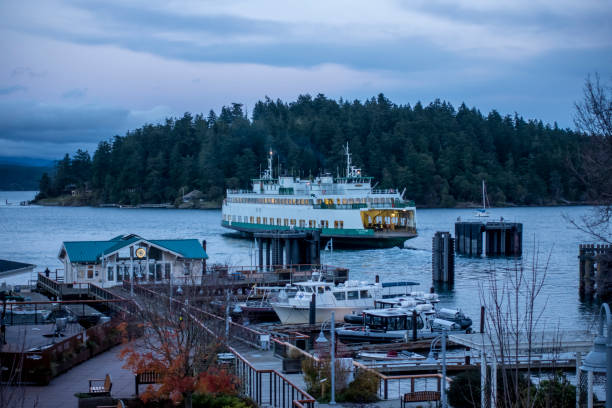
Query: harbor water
x: 34, y: 234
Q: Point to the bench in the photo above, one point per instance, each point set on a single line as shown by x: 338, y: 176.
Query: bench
x: 420, y: 396
x: 147, y: 377
x: 103, y: 389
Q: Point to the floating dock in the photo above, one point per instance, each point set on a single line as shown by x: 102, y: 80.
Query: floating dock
x: 500, y: 238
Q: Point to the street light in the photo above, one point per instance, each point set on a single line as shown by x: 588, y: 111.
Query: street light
x: 321, y: 339
x: 431, y: 360
x: 599, y: 360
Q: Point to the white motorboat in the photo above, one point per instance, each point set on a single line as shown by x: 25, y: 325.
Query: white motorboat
x: 352, y: 297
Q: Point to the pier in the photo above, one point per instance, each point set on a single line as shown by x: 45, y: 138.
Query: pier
x: 595, y: 271
x: 263, y: 355
x: 277, y: 248
x: 501, y: 238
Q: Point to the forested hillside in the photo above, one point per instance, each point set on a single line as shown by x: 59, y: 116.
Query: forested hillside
x: 438, y: 153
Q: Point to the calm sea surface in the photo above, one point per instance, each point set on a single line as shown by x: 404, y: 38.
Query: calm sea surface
x: 34, y: 234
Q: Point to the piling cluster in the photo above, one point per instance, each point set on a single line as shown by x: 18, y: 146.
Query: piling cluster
x: 502, y: 238
x: 595, y: 266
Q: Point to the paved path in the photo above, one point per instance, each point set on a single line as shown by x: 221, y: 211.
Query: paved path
x: 60, y: 391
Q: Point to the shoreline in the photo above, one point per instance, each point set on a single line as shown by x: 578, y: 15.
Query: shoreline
x: 214, y: 206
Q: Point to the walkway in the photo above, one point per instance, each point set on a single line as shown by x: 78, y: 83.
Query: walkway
x: 60, y: 391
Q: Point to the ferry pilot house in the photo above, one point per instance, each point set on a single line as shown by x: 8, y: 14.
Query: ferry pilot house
x: 108, y: 263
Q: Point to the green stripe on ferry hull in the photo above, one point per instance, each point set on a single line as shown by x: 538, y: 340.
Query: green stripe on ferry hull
x: 343, y: 238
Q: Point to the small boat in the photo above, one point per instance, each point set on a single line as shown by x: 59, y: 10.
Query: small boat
x: 350, y: 297
x: 483, y: 213
x: 395, y: 324
x: 389, y: 356
x: 455, y: 316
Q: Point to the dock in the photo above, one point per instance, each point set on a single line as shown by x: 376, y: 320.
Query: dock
x: 501, y: 238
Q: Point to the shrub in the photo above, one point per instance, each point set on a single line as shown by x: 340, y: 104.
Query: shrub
x: 220, y: 401
x: 363, y: 389
x: 556, y: 392
x: 464, y: 391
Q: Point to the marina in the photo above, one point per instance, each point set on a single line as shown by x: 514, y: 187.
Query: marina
x: 395, y: 362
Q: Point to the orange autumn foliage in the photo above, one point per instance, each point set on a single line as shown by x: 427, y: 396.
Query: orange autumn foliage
x: 176, y: 380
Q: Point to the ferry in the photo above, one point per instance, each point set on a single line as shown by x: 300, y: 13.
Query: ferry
x: 347, y: 210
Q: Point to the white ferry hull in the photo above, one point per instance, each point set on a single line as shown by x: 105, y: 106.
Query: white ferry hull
x: 342, y: 238
x: 293, y: 314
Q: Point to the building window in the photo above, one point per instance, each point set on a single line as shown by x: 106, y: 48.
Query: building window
x: 167, y: 271
x: 187, y: 268
x: 109, y: 273
x: 90, y: 271
x: 119, y: 271
x: 259, y: 220
x: 278, y: 221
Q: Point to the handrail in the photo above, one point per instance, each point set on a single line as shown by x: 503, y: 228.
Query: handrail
x: 278, y: 392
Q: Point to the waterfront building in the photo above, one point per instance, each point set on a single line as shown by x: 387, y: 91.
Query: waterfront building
x: 108, y: 263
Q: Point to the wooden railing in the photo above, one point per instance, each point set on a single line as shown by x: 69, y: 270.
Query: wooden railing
x: 251, y: 337
x: 279, y: 390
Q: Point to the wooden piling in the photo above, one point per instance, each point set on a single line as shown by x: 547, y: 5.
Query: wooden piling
x: 443, y: 257
x: 595, y: 277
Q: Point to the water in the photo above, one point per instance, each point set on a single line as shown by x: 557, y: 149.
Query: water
x: 34, y: 234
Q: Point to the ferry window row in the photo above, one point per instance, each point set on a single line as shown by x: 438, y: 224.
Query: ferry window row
x: 285, y: 222
x: 306, y: 201
x: 255, y: 200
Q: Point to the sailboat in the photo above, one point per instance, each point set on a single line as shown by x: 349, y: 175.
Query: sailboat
x: 483, y: 211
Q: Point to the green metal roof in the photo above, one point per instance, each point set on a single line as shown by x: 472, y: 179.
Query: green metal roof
x: 188, y: 248
x: 91, y: 251
x: 87, y: 251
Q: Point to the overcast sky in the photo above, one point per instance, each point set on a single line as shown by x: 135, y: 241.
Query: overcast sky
x: 73, y: 73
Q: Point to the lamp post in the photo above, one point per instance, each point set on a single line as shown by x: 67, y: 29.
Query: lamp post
x: 599, y: 360
x: 430, y: 359
x: 322, y: 339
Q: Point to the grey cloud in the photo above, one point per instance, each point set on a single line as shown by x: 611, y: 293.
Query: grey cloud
x: 75, y: 93
x: 27, y: 72
x: 12, y: 89
x: 120, y: 16
x: 28, y: 121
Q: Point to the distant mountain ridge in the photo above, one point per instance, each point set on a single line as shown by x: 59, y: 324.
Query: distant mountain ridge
x: 14, y: 177
x: 27, y: 161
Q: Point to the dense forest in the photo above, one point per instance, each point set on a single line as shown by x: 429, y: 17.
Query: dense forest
x: 438, y: 153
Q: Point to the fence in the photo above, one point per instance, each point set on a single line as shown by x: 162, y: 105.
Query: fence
x: 40, y: 364
x: 278, y: 392
x: 237, y: 331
